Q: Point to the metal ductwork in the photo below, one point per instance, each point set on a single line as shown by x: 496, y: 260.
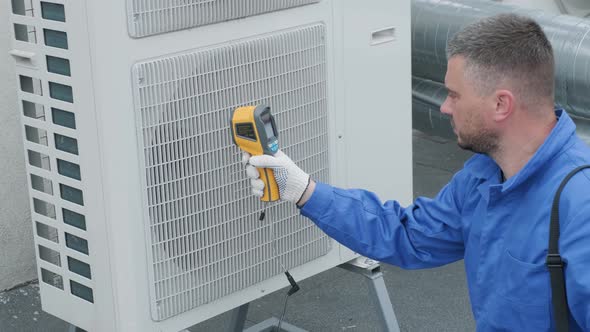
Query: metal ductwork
x: 434, y: 22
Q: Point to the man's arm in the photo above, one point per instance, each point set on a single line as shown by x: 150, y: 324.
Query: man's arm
x: 427, y: 233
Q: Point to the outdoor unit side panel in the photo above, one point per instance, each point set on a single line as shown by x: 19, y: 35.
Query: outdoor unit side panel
x: 52, y: 58
x: 205, y: 238
x: 150, y: 17
x: 376, y: 54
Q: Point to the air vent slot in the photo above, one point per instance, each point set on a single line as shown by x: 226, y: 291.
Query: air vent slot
x: 53, y: 11
x: 39, y: 160
x: 25, y: 33
x: 47, y: 232
x: 63, y: 118
x: 41, y: 184
x: 81, y: 291
x: 52, y: 279
x: 44, y: 208
x: 74, y: 219
x: 54, y: 38
x: 49, y: 255
x: 22, y: 7
x: 33, y: 110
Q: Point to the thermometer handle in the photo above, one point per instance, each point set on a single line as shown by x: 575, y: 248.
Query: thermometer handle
x: 271, y: 188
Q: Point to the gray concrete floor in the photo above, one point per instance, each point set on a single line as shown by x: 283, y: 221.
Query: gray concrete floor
x: 336, y: 300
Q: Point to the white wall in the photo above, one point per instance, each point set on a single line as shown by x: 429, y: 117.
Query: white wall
x: 17, y: 258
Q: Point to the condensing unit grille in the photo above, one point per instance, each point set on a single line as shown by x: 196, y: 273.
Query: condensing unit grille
x: 202, y: 227
x: 149, y: 17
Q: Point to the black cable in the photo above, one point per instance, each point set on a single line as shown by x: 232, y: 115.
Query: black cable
x: 294, y: 286
x: 284, y: 311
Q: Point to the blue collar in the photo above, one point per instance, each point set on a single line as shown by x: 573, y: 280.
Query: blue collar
x: 484, y: 167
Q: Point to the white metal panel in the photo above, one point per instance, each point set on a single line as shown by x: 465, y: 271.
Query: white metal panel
x: 377, y: 135
x: 50, y: 189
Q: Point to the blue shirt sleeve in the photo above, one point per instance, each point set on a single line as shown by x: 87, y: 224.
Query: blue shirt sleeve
x: 425, y: 234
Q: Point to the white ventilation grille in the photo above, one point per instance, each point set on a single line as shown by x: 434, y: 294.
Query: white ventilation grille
x: 202, y: 225
x: 149, y: 17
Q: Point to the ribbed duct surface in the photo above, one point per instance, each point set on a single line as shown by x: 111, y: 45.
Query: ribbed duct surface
x: 205, y: 238
x: 434, y: 22
x: 427, y: 97
x: 149, y: 17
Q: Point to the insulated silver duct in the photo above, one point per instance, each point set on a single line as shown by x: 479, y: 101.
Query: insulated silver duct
x: 434, y: 22
x: 427, y: 96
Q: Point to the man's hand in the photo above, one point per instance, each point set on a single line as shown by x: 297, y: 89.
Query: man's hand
x: 292, y: 181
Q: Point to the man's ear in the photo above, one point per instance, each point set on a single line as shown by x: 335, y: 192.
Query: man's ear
x: 505, y: 103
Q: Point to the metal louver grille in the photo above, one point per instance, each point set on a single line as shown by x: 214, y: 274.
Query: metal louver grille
x: 149, y: 17
x: 201, y: 221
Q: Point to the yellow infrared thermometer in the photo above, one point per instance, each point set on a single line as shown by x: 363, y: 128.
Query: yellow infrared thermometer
x: 254, y: 130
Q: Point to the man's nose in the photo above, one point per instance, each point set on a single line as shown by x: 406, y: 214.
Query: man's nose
x: 444, y: 108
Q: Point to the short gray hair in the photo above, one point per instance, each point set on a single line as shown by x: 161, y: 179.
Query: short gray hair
x: 507, y: 46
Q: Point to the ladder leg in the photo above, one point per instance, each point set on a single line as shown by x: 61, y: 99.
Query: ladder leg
x: 381, y: 296
x: 372, y: 271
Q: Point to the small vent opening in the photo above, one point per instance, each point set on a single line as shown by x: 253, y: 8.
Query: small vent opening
x: 77, y: 243
x: 49, y: 255
x: 61, y: 92
x: 44, y: 208
x: 79, y: 267
x: 25, y: 33
x: 58, y: 66
x: 52, y: 279
x: 36, y: 135
x: 54, y: 38
x: 53, y: 11
x: 22, y: 7
x: 63, y: 118
x: 74, y: 219
x: 68, y: 169
x: 81, y: 291
x: 31, y: 85
x: 66, y: 144
x: 38, y: 159
x: 47, y: 232
x: 71, y: 194
x: 41, y: 184
x: 33, y: 110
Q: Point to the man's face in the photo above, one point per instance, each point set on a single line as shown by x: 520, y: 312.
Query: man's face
x: 469, y: 111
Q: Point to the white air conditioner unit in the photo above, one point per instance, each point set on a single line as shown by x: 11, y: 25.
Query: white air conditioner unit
x: 142, y: 212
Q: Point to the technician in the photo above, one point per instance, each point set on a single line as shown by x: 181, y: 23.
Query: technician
x: 495, y: 212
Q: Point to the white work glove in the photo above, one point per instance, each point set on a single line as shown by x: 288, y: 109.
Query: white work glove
x: 292, y: 181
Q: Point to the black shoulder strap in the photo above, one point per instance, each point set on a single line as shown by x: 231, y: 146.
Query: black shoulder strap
x: 555, y: 264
